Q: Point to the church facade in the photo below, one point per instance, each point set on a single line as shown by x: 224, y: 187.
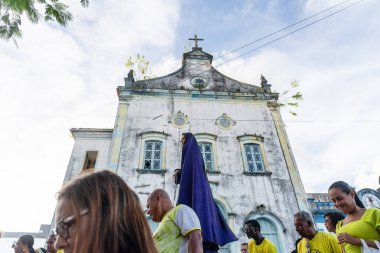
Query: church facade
x: 238, y: 126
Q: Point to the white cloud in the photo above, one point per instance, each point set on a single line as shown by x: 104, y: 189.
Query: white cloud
x: 61, y: 78
x: 335, y: 136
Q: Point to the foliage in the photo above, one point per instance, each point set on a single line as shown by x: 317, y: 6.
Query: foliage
x: 11, y: 12
x: 290, y: 101
x: 140, y: 67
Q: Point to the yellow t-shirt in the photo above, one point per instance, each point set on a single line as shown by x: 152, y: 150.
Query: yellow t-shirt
x: 321, y: 243
x: 176, y: 224
x: 265, y: 246
x: 367, y: 228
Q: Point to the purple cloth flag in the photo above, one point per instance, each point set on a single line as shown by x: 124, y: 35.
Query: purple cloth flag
x: 195, y: 192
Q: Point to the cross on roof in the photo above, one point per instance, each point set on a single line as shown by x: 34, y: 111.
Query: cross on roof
x: 196, y: 40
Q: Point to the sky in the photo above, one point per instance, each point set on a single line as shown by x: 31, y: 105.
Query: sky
x: 66, y: 77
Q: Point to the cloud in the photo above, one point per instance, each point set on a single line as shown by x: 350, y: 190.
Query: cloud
x: 61, y: 78
x: 335, y: 134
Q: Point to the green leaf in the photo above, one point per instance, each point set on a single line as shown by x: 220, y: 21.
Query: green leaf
x: 295, y: 84
x: 295, y: 104
x: 297, y: 96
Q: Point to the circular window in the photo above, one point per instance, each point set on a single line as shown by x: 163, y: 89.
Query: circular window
x: 225, y: 122
x: 198, y: 82
x: 179, y: 120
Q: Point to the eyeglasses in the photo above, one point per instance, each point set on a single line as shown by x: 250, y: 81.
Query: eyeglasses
x: 64, y: 225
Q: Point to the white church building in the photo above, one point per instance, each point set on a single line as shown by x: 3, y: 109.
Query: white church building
x: 247, y: 155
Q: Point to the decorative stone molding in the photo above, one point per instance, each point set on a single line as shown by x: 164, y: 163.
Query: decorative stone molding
x: 179, y: 120
x: 257, y: 174
x: 142, y: 171
x: 225, y: 122
x: 199, y: 82
x: 251, y: 137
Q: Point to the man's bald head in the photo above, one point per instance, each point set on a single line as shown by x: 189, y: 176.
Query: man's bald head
x: 158, y: 203
x: 162, y: 194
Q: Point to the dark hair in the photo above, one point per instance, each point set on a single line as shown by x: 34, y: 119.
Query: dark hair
x: 117, y: 221
x: 28, y: 240
x: 253, y: 223
x: 346, y: 188
x: 334, y: 216
x: 244, y: 243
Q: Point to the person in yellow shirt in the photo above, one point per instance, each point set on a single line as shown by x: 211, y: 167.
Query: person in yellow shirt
x: 259, y: 244
x: 360, y: 223
x: 313, y: 241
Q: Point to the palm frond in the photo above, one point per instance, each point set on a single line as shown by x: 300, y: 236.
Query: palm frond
x: 32, y: 14
x: 10, y: 27
x: 58, y: 12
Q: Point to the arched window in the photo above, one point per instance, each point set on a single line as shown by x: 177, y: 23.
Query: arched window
x: 207, y: 146
x: 206, y: 150
x: 152, y: 155
x: 226, y: 248
x: 269, y: 230
x: 253, y: 157
x: 253, y: 153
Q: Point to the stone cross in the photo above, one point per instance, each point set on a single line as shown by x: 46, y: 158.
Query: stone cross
x: 196, y: 40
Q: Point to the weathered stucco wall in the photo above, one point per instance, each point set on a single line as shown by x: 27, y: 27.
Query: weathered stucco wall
x: 84, y: 142
x: 242, y: 193
x: 146, y: 110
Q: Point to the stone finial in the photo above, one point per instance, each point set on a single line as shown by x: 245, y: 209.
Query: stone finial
x: 264, y: 83
x: 130, y: 75
x: 130, y: 79
x: 263, y: 80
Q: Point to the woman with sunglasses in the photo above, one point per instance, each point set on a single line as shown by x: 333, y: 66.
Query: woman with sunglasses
x: 99, y: 213
x: 360, y: 223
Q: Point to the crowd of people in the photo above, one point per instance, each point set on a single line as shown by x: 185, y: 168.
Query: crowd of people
x: 100, y: 213
x: 349, y: 233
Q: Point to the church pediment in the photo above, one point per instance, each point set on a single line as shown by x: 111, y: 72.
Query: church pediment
x: 196, y: 73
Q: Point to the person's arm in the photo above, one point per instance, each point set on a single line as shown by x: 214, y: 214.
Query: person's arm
x: 194, y: 241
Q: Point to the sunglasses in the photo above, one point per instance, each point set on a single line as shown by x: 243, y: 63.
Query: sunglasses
x: 64, y: 225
